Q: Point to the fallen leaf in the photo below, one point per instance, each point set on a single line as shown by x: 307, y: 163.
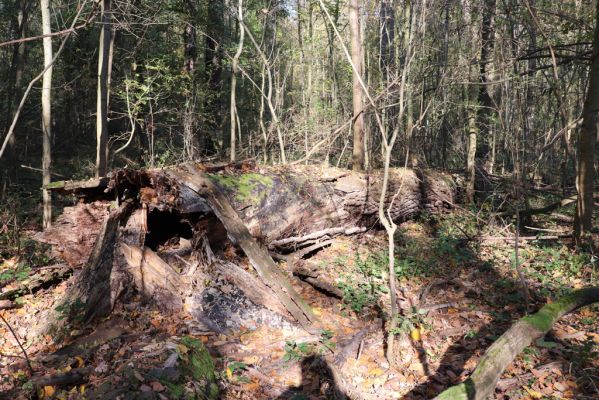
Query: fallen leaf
x: 533, y: 393
x: 49, y: 391
x: 157, y: 386
x: 80, y: 361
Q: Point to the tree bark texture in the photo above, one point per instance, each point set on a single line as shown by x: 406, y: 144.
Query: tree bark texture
x: 356, y: 55
x: 585, y: 174
x: 209, y: 209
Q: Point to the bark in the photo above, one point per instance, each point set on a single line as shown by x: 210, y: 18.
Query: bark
x: 356, y: 55
x: 501, y: 353
x: 585, y: 173
x: 102, y: 93
x: 46, y: 114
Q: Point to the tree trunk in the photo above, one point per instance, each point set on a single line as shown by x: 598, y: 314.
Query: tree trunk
x: 102, y: 94
x: 501, y: 353
x: 585, y: 174
x: 356, y: 53
x: 16, y: 74
x: 233, y: 110
x: 46, y: 114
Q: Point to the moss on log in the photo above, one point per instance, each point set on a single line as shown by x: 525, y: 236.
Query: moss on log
x: 501, y: 353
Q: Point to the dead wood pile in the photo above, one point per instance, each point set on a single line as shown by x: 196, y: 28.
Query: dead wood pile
x: 173, y: 233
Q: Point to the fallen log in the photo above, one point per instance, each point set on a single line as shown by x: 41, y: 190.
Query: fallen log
x: 42, y: 277
x: 501, y: 353
x: 280, y: 203
x: 71, y: 378
x: 285, y: 210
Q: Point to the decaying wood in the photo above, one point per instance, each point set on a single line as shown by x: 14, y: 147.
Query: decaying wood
x: 71, y: 378
x: 154, y: 277
x: 42, y: 277
x: 252, y: 287
x: 314, y: 275
x: 501, y: 353
x: 292, y: 211
x: 258, y: 256
x: 92, y: 294
x: 73, y: 234
x: 277, y: 203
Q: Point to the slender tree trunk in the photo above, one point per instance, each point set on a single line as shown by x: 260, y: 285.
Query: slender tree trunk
x: 102, y: 95
x: 16, y: 75
x: 190, y: 140
x: 234, y: 64
x: 46, y: 115
x: 585, y: 174
x: 356, y: 54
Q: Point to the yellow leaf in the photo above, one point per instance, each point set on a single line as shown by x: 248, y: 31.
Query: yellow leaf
x: 376, y: 372
x: 182, y: 349
x: 229, y: 373
x: 67, y: 368
x: 82, y: 389
x: 533, y: 393
x: 80, y: 361
x: 317, y: 311
x: 415, y: 334
x: 49, y: 391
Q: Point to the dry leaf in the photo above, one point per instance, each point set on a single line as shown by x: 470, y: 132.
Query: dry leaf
x: 533, y: 393
x: 157, y: 386
x: 49, y: 391
x: 80, y: 361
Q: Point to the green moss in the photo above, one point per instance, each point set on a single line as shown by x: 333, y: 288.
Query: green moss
x: 463, y: 391
x: 176, y: 390
x: 56, y: 185
x: 543, y: 320
x: 198, y: 364
x: 250, y: 187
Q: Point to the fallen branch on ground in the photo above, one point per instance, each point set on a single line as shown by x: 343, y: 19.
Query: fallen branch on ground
x: 501, y: 353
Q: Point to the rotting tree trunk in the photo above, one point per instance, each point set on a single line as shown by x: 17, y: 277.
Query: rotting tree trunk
x: 208, y: 209
x: 284, y: 208
x: 501, y: 353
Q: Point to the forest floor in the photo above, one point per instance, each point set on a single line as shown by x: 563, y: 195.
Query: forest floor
x: 459, y: 292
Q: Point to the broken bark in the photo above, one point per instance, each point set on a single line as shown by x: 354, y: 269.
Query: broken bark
x: 501, y: 353
x: 278, y: 203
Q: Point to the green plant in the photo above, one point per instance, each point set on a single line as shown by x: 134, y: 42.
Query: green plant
x: 295, y: 351
x: 326, y: 342
x: 412, y: 320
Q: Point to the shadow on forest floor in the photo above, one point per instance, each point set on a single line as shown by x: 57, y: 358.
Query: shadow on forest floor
x: 479, y: 286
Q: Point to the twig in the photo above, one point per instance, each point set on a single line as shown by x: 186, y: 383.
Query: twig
x: 40, y: 170
x: 19, y: 343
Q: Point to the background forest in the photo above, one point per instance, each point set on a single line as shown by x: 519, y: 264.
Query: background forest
x: 512, y: 73
x: 472, y: 125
